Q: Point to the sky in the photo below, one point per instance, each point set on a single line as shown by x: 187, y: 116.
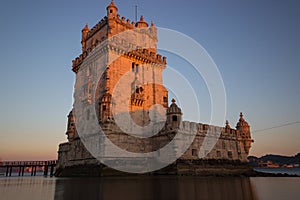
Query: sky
x: 255, y: 45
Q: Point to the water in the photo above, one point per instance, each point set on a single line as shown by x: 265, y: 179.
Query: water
x: 131, y: 188
x: 292, y: 171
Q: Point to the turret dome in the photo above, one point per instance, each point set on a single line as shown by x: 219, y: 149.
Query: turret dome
x: 111, y: 10
x: 142, y: 23
x: 242, y: 122
x: 174, y: 109
x: 112, y: 5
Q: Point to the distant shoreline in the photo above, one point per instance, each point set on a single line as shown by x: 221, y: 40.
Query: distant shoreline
x: 279, y: 171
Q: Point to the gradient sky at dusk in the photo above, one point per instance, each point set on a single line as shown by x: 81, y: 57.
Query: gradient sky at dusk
x: 255, y: 44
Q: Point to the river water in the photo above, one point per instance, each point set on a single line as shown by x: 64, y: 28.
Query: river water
x: 131, y: 188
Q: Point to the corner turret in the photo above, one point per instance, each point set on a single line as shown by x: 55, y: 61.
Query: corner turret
x: 112, y: 10
x: 243, y: 126
x: 153, y: 28
x: 227, y: 127
x: 84, y: 32
x: 174, y: 116
x: 243, y: 129
x: 142, y: 23
x: 71, y: 131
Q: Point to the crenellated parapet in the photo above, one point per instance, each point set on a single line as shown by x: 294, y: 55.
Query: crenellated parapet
x: 174, y: 115
x: 121, y: 47
x: 97, y: 27
x: 143, y: 55
x: 231, y: 143
x: 213, y: 131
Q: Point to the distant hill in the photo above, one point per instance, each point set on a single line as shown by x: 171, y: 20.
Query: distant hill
x: 276, y: 159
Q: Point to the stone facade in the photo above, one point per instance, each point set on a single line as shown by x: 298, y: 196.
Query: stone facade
x: 145, y: 64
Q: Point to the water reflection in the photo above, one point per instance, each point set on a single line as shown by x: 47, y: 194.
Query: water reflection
x: 33, y: 188
x: 134, y: 188
x: 154, y: 188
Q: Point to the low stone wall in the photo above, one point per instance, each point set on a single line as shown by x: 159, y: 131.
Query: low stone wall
x: 179, y: 168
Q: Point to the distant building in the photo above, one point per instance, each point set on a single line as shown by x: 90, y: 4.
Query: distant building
x: 268, y: 164
x: 231, y: 148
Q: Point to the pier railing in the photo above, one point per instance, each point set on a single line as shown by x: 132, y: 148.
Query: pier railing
x: 30, y: 166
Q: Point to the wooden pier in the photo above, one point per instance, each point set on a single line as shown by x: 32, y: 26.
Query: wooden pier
x: 32, y: 166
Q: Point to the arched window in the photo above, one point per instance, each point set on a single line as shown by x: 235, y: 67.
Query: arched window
x: 165, y: 99
x: 137, y: 89
x: 174, y: 118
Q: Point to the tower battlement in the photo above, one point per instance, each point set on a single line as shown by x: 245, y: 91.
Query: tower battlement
x: 111, y: 25
x: 141, y: 55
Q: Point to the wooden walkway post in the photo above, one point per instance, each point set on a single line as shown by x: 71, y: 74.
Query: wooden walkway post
x: 20, y: 169
x: 7, y: 170
x: 23, y: 168
x: 31, y: 170
x: 52, y: 170
x: 46, y: 170
x: 10, y: 170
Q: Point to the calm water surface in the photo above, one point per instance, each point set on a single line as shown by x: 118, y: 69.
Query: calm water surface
x: 131, y: 188
x: 295, y: 171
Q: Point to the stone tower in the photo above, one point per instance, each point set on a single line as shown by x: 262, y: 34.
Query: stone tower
x: 142, y: 62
